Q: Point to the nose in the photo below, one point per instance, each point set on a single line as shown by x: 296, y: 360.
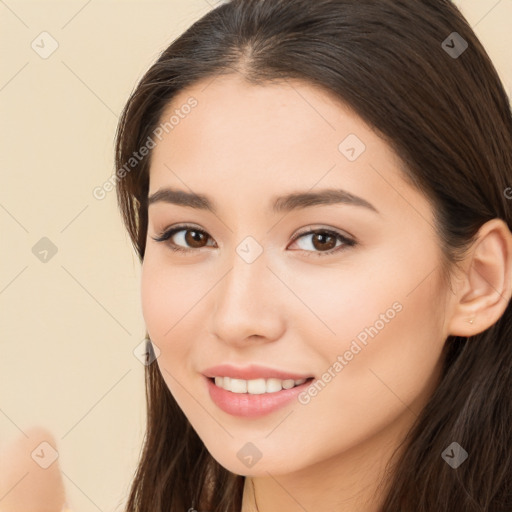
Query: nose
x: 248, y: 305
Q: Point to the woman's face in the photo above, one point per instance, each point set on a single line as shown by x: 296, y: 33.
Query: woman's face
x: 358, y: 306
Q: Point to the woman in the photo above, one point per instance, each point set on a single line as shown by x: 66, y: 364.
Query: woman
x: 319, y: 196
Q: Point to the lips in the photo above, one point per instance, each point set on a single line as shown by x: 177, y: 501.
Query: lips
x: 246, y: 405
x: 252, y: 372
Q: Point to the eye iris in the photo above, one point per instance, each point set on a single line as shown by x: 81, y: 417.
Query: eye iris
x: 321, y: 237
x: 192, y: 240
x: 323, y: 241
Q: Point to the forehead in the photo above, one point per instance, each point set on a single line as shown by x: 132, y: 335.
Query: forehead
x: 290, y: 118
x: 269, y: 139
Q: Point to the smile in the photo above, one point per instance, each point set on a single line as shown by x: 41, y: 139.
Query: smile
x: 253, y: 398
x: 256, y: 386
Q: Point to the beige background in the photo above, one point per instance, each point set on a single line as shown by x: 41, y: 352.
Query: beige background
x: 69, y: 325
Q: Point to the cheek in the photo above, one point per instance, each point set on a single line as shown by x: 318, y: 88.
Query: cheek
x: 175, y: 304
x: 380, y: 370
x: 167, y: 294
x: 163, y: 299
x: 337, y: 303
x: 386, y: 334
x: 388, y: 350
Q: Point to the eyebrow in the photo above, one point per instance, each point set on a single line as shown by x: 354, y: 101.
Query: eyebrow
x: 287, y: 203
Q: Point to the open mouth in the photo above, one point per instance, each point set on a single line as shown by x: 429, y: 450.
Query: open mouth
x: 257, y: 386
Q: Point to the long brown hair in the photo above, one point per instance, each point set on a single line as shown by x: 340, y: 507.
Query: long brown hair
x: 448, y: 118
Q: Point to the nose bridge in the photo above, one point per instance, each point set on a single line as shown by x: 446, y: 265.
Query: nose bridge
x: 246, y: 283
x: 245, y: 299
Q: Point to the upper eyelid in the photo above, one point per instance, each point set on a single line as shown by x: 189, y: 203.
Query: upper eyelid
x: 309, y: 230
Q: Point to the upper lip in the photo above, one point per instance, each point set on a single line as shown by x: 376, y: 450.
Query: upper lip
x: 251, y: 372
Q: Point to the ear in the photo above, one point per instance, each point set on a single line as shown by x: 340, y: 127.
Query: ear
x: 485, y: 288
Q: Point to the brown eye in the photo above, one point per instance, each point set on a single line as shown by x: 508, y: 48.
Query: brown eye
x: 184, y: 238
x: 324, y: 242
x: 195, y: 238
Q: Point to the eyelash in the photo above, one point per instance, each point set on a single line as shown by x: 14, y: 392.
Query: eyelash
x: 347, y: 242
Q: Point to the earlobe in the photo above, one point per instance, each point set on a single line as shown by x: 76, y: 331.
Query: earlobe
x: 487, y: 281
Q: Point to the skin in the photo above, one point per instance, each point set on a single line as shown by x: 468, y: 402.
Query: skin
x: 242, y: 145
x: 26, y: 486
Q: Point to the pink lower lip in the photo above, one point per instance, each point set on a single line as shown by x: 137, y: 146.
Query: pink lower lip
x: 252, y: 406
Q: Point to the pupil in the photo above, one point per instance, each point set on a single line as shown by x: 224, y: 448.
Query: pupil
x: 194, y: 238
x: 322, y: 239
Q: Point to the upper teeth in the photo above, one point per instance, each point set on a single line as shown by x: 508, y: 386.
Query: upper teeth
x: 256, y: 386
